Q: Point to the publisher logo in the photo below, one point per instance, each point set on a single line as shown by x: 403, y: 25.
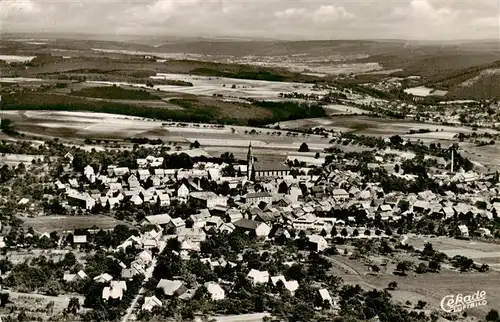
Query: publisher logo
x: 459, y: 302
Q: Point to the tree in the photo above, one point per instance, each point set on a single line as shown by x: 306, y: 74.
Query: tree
x: 73, y: 305
x: 333, y: 233
x: 228, y: 171
x: 434, y: 266
x: 355, y: 233
x: 195, y: 145
x: 428, y: 250
x: 283, y: 187
x: 69, y: 260
x: 421, y: 268
x: 303, y: 147
x: 420, y: 305
x: 392, y: 285
x: 492, y: 316
x: 396, y: 168
x: 4, y: 299
x: 6, y: 126
x: 344, y: 232
x: 403, y: 267
x: 396, y: 140
x: 323, y: 233
x: 317, y: 155
x: 367, y: 232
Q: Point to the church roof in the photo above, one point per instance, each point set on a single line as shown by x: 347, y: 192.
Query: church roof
x: 270, y: 166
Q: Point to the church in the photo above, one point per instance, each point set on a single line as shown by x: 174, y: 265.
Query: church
x: 262, y: 171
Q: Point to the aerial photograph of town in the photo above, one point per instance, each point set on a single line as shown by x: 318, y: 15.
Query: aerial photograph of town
x: 250, y: 161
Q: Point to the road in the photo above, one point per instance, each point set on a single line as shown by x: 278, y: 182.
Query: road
x: 130, y: 310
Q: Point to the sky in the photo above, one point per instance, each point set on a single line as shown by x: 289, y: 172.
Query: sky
x: 284, y: 19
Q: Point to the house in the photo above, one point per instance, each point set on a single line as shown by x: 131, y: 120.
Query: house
x: 115, y: 290
x: 183, y: 192
x: 79, y: 239
x: 420, y: 206
x: 136, y: 200
x: 103, y: 278
x: 227, y: 228
x: 160, y: 220
x: 82, y: 200
x: 174, y: 225
x: 464, y: 231
x: 150, y: 302
x: 255, y: 198
x: 198, y: 220
x: 318, y: 243
x: 324, y: 295
x: 292, y: 286
x: 252, y: 226
x: 145, y: 256
x: 192, y: 234
x: 233, y: 215
x: 171, y: 287
x: 155, y: 181
x: 163, y: 199
x: 258, y: 277
x: 208, y: 199
x: 483, y: 232
x: 294, y: 194
x: 276, y: 279
x: 23, y: 201
x: 305, y: 222
x: 129, y: 273
x: 448, y: 212
x: 75, y: 277
x: 213, y: 222
x: 340, y: 195
x: 216, y: 292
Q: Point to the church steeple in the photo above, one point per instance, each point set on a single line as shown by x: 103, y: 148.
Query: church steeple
x: 250, y: 160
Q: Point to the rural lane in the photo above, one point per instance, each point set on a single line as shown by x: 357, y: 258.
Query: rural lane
x: 149, y: 273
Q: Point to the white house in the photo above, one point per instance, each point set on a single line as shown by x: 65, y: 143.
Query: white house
x: 325, y: 295
x: 464, y: 231
x: 216, y: 292
x: 150, y: 302
x: 255, y: 198
x: 318, y: 243
x: 258, y: 277
x: 183, y: 192
x: 340, y: 195
x: 115, y: 290
x: 260, y: 229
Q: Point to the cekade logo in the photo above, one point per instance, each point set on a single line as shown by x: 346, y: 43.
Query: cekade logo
x: 458, y: 303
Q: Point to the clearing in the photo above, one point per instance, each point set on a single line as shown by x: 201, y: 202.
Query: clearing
x: 44, y: 224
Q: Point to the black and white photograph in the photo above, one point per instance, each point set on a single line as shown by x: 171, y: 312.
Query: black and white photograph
x: 249, y: 160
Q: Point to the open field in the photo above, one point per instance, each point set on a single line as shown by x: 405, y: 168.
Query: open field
x: 368, y: 125
x: 33, y: 301
x: 75, y: 126
x: 429, y: 287
x: 69, y: 223
x: 481, y: 252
